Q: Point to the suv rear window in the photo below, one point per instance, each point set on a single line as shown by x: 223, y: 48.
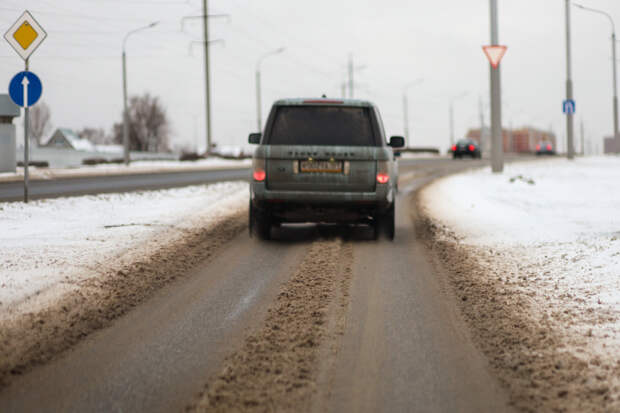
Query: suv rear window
x: 322, y: 125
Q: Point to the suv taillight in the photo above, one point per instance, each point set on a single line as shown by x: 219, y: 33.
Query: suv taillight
x: 383, y: 178
x: 383, y: 172
x: 259, y: 175
x: 258, y: 170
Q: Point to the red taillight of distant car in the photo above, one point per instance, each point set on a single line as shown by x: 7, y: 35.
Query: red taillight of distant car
x: 471, y: 148
x: 548, y: 147
x: 453, y: 148
x: 537, y: 147
x: 383, y: 178
x: 259, y: 175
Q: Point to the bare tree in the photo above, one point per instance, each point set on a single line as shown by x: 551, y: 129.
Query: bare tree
x: 95, y: 135
x: 148, y: 125
x: 39, y: 119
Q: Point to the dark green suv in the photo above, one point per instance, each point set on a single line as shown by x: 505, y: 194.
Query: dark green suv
x: 323, y: 161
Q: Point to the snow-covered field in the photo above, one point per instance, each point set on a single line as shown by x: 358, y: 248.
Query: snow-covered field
x: 547, y: 231
x: 47, y: 247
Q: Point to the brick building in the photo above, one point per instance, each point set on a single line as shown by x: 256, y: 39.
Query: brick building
x: 522, y: 140
x: 611, y: 145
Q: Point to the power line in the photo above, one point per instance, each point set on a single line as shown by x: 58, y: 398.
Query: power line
x: 73, y: 16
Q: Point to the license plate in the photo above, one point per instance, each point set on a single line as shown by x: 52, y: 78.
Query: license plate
x: 334, y: 167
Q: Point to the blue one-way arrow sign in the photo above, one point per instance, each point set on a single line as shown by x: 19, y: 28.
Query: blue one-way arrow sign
x: 25, y: 89
x: 568, y: 106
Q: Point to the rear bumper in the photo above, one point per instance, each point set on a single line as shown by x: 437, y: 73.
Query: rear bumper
x: 465, y: 152
x: 318, y: 206
x: 382, y: 194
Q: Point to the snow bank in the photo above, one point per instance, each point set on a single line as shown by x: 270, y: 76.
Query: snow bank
x: 51, y: 245
x: 552, y: 230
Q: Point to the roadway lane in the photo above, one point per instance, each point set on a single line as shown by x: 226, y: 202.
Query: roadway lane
x: 51, y: 188
x: 58, y: 187
x: 403, y: 349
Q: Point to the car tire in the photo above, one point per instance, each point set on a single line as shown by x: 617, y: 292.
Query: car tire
x: 260, y: 224
x: 251, y: 220
x: 375, y: 225
x: 389, y: 222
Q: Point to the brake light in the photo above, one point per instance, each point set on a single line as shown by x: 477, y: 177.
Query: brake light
x: 471, y: 148
x: 453, y: 148
x: 259, y: 175
x: 537, y: 147
x: 548, y: 147
x: 383, y: 178
x: 332, y: 102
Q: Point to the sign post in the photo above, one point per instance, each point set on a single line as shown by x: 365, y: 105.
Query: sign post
x: 25, y: 36
x: 494, y: 53
x: 570, y: 150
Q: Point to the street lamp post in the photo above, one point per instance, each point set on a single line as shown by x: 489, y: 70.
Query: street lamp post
x: 570, y: 148
x: 351, y: 70
x: 259, y: 120
x: 614, y: 63
x: 125, y: 110
x: 406, y: 107
x: 457, y: 97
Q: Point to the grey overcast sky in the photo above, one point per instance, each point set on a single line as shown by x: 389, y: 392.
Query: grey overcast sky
x: 395, y: 41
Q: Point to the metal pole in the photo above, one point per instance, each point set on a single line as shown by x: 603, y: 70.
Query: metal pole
x: 344, y: 89
x: 207, y: 80
x: 570, y: 150
x: 614, y: 62
x: 497, y: 150
x: 583, y: 150
x: 483, y: 145
x: 406, y: 116
x: 350, y: 75
x: 451, y: 124
x: 511, y: 144
x: 125, y: 110
x: 125, y: 113
x: 258, y: 102
x: 26, y: 143
x: 259, y: 116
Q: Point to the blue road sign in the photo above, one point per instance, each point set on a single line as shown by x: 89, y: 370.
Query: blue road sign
x: 568, y: 107
x: 25, y: 89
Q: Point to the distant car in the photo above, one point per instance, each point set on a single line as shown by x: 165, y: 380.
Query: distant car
x: 545, y: 148
x: 323, y: 161
x: 466, y: 147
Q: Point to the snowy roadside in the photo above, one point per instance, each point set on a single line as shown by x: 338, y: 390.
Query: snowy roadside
x: 536, y: 257
x: 48, y: 247
x: 136, y: 167
x: 69, y: 266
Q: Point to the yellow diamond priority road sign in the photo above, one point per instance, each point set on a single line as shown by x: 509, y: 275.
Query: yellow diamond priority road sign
x: 25, y: 35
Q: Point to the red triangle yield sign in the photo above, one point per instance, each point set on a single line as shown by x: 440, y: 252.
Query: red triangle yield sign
x: 494, y: 54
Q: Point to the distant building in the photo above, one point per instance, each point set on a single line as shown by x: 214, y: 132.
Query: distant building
x: 611, y: 144
x: 522, y: 140
x: 8, y: 111
x: 67, y: 139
